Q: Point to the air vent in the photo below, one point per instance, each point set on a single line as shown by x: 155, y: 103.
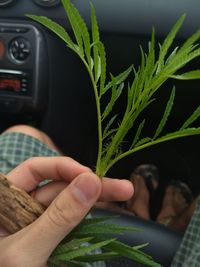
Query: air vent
x: 5, y: 2
x: 47, y: 3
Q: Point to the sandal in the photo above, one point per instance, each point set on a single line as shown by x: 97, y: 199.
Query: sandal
x: 150, y: 174
x: 173, y: 210
x: 184, y: 189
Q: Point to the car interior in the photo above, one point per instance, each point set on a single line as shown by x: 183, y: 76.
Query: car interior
x: 43, y: 84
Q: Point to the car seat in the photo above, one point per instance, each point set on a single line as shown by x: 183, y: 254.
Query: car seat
x: 163, y: 242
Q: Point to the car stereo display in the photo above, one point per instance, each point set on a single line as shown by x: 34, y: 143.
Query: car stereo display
x: 13, y: 81
x: 2, y: 49
x: 10, y: 84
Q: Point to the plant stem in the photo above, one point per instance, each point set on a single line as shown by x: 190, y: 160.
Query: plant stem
x: 98, y: 110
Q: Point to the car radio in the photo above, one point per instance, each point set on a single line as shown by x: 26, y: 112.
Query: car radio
x: 14, y: 81
x: 23, y: 66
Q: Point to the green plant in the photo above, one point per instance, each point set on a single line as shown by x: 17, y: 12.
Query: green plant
x: 153, y: 72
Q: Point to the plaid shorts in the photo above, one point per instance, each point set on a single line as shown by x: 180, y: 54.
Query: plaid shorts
x: 188, y: 254
x: 16, y: 147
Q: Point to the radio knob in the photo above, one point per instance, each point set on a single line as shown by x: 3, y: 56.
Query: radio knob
x: 19, y: 49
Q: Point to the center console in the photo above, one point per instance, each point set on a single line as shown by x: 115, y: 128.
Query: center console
x: 23, y: 67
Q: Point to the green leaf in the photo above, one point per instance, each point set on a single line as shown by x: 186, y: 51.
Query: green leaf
x: 82, y: 251
x: 168, y: 42
x: 106, y: 131
x: 180, y: 61
x: 104, y: 256
x: 131, y: 253
x: 137, y: 135
x: 84, y: 33
x: 92, y: 220
x: 188, y: 46
x: 102, y: 57
x: 70, y: 245
x: 195, y: 115
x: 179, y: 134
x: 190, y: 75
x: 101, y: 228
x: 143, y: 141
x: 150, y: 60
x: 95, y: 40
x: 166, y: 114
x: 54, y: 27
x: 118, y: 79
x: 75, y: 22
x: 116, y: 92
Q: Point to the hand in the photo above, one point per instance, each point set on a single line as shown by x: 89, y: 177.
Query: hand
x: 68, y: 199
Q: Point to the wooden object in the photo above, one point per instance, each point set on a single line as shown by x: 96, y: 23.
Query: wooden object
x: 17, y: 208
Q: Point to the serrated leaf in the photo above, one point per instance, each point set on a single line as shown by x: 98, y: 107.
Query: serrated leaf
x: 190, y: 75
x: 172, y: 55
x: 138, y: 133
x: 179, y: 134
x: 101, y: 228
x: 168, y: 42
x: 70, y: 245
x: 104, y: 256
x: 118, y: 79
x: 75, y: 22
x: 116, y: 92
x: 139, y: 85
x: 141, y: 246
x: 180, y: 61
x: 90, y: 221
x: 95, y: 40
x: 102, y: 57
x: 166, y: 114
x: 131, y: 253
x: 195, y: 115
x: 54, y: 27
x: 143, y: 141
x: 150, y: 60
x: 82, y: 251
x: 106, y: 131
x: 84, y: 33
x: 188, y: 46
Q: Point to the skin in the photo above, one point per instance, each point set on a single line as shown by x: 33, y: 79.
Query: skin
x: 68, y: 199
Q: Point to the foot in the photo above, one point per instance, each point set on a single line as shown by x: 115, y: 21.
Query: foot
x: 139, y: 203
x: 175, y: 212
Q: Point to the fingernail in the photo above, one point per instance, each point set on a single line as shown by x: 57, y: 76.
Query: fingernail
x: 86, y: 187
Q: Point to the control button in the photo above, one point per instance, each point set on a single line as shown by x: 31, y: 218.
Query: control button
x: 19, y: 49
x: 13, y: 29
x: 47, y: 3
x: 21, y: 30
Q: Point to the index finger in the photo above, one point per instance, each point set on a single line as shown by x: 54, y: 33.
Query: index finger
x: 31, y: 172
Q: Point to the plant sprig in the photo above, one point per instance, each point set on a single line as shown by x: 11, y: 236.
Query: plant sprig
x: 148, y: 79
x: 152, y: 73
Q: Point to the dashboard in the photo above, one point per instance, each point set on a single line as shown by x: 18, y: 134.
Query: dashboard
x: 127, y: 16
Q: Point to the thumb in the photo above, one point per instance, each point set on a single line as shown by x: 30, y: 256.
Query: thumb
x: 64, y: 213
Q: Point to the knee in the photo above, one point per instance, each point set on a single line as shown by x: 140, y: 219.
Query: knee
x: 26, y: 129
x: 38, y: 134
